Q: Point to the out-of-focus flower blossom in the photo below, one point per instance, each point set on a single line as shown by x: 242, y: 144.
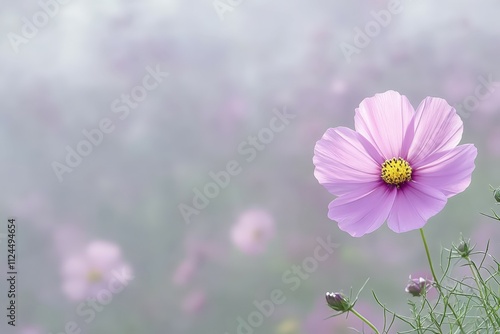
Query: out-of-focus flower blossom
x: 202, y: 249
x: 194, y: 302
x: 198, y: 251
x: 418, y: 286
x: 253, y: 231
x: 98, y: 266
x: 338, y: 87
x: 185, y: 271
x: 400, y: 165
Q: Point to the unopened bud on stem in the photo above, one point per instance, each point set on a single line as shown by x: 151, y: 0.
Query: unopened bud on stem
x: 496, y: 194
x: 418, y: 286
x: 338, y: 302
x: 464, y: 249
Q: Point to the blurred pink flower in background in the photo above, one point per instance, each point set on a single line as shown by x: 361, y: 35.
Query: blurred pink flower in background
x: 185, y: 271
x: 339, y: 86
x: 194, y: 302
x: 203, y: 249
x: 86, y: 273
x: 400, y: 165
x: 253, y: 231
x: 198, y: 251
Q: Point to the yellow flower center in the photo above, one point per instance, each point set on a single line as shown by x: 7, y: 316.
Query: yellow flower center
x: 94, y: 276
x: 396, y: 171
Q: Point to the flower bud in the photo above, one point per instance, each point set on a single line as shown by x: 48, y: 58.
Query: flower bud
x: 496, y: 194
x: 417, y: 286
x: 338, y: 302
x: 463, y: 249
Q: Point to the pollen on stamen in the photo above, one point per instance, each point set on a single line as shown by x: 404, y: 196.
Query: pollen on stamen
x: 396, y: 171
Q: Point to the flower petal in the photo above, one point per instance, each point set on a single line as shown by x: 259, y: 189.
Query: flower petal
x: 103, y: 254
x: 75, y: 289
x: 415, y: 203
x: 383, y: 120
x: 75, y: 267
x: 449, y: 171
x: 345, y: 161
x: 436, y: 127
x: 360, y: 212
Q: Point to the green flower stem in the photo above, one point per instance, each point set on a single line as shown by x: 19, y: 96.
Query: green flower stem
x: 429, y: 257
x: 480, y: 286
x: 436, y: 282
x: 366, y: 321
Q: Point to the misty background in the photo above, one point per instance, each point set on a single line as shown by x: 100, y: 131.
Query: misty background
x: 175, y: 92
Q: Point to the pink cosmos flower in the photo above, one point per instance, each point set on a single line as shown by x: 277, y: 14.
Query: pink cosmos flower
x: 425, y: 275
x: 399, y: 166
x: 97, y: 268
x: 418, y: 286
x: 253, y: 231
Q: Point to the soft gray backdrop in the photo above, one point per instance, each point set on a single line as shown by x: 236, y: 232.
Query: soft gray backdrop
x: 178, y: 89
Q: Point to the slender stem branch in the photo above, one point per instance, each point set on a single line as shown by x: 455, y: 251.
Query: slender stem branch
x: 437, y: 283
x: 429, y: 257
x: 480, y: 286
x: 366, y: 321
